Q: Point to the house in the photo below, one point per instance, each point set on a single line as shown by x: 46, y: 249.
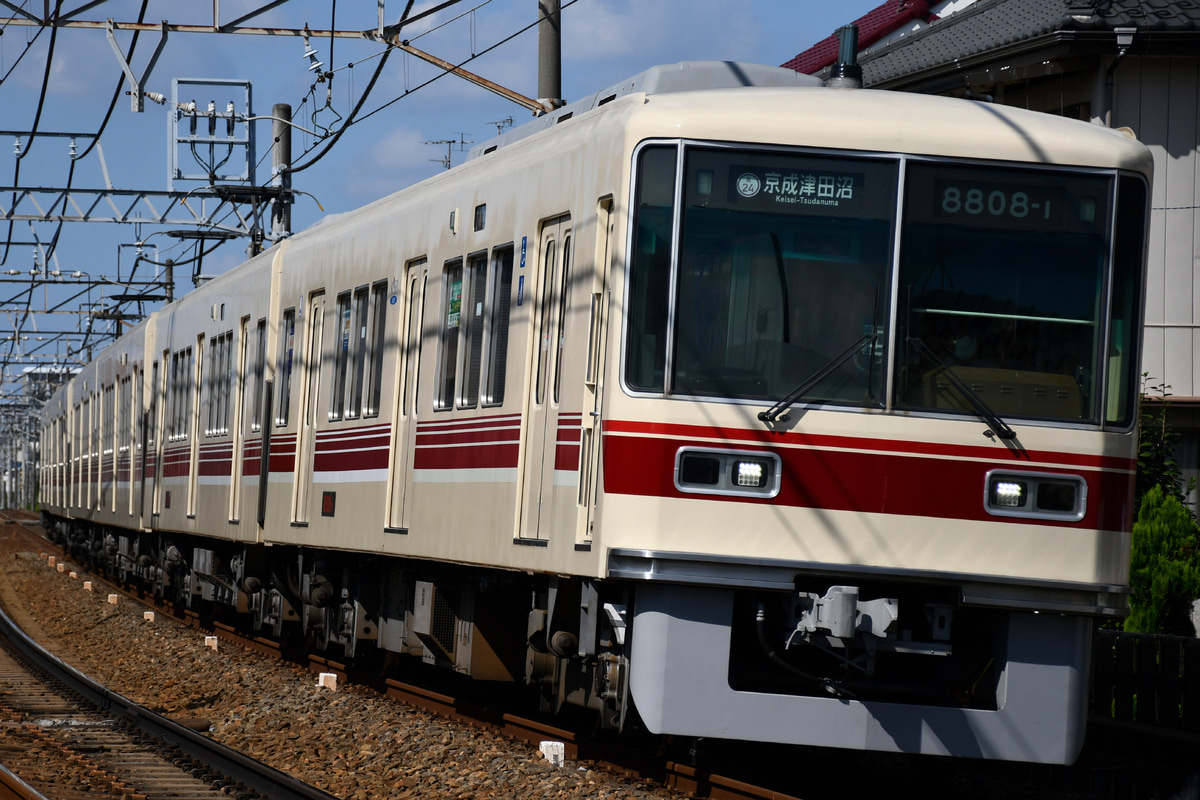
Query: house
x: 1121, y: 63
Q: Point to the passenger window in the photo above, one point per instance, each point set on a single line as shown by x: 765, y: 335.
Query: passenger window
x: 417, y: 284
x: 211, y: 388
x: 341, y: 357
x: 224, y: 381
x: 450, y: 326
x: 219, y: 380
x: 108, y: 411
x: 563, y: 298
x: 152, y: 412
x: 543, y: 329
x: 358, y: 352
x: 375, y: 346
x: 182, y: 366
x: 287, y: 337
x: 473, y: 321
x: 195, y: 378
x: 650, y: 270
x: 497, y: 362
x: 260, y: 358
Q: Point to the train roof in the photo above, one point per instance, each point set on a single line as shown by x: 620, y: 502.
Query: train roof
x: 686, y: 76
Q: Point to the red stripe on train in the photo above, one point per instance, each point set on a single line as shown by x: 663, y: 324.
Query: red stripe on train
x: 485, y: 457
x: 765, y: 437
x: 566, y: 457
x: 873, y: 483
x: 344, y: 462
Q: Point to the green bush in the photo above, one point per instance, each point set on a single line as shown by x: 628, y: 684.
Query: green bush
x: 1164, y: 575
x: 1157, y: 465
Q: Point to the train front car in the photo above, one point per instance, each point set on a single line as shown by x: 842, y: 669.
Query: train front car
x: 871, y: 460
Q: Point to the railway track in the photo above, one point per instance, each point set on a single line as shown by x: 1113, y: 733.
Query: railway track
x: 67, y: 735
x: 822, y: 774
x: 580, y: 746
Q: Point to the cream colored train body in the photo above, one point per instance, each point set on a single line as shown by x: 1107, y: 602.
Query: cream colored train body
x: 761, y: 410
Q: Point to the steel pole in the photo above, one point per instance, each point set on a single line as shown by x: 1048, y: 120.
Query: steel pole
x: 550, y: 53
x: 281, y: 161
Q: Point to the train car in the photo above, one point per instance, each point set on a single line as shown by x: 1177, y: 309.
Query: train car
x: 720, y: 402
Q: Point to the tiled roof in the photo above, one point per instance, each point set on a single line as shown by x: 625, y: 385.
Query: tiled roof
x: 872, y: 26
x: 991, y: 24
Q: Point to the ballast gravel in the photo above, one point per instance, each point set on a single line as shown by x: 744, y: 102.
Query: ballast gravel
x: 351, y: 743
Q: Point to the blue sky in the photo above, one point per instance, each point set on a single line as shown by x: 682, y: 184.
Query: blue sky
x: 603, y: 42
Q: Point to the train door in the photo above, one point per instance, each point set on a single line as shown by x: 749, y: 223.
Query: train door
x: 404, y: 427
x: 238, y: 404
x: 540, y: 496
x: 593, y: 392
x: 150, y: 446
x: 192, y: 427
x: 306, y: 425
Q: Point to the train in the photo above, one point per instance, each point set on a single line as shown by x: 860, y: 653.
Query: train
x: 821, y: 426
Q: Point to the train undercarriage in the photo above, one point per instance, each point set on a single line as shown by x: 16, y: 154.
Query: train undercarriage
x: 883, y: 665
x: 564, y: 637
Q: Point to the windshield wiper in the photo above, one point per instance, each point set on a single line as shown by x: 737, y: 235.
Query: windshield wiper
x: 776, y: 412
x: 994, y: 422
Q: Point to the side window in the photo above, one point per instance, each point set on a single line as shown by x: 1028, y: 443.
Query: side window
x: 108, y: 411
x: 283, y: 373
x: 650, y: 270
x: 473, y: 333
x: 238, y: 376
x: 497, y: 361
x: 173, y: 386
x: 341, y: 330
x: 418, y: 279
x: 375, y: 347
x: 194, y: 373
x: 221, y: 366
x: 260, y: 365
x: 169, y: 366
x: 124, y: 440
x: 358, y: 353
x: 549, y: 262
x: 564, y: 296
x: 213, y: 390
x: 152, y: 412
x: 452, y: 280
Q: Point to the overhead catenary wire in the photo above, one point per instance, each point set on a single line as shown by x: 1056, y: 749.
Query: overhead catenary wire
x: 357, y: 106
x: 354, y: 119
x: 462, y: 63
x: 319, y: 148
x: 53, y: 244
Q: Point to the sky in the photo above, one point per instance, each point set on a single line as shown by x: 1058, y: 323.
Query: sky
x: 603, y: 41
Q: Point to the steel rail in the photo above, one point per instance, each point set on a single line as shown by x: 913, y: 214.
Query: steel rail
x: 13, y: 788
x: 254, y: 775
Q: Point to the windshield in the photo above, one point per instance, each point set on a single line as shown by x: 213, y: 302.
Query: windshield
x: 774, y: 276
x: 782, y: 266
x: 1002, y: 278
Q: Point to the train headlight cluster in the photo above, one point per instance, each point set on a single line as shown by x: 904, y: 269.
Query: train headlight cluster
x: 1036, y: 495
x: 704, y: 470
x: 1009, y: 494
x: 751, y: 473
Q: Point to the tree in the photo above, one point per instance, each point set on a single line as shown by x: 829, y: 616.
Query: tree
x: 1164, y: 576
x: 1157, y: 465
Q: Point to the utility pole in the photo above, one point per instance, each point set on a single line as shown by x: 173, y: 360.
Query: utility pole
x: 281, y: 164
x: 550, y: 53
